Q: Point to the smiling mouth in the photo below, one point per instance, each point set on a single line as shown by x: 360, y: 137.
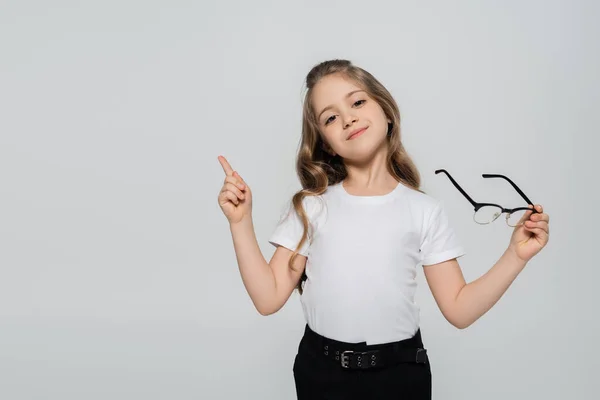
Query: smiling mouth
x: 357, y: 134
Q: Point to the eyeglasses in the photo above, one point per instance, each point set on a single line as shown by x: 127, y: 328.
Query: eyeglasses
x: 486, y: 213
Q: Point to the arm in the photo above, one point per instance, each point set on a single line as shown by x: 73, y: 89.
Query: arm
x: 462, y: 303
x: 268, y: 284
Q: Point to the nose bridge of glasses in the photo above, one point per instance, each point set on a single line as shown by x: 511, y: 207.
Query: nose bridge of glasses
x: 486, y: 213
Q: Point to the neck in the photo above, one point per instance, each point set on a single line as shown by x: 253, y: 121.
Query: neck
x: 370, y: 177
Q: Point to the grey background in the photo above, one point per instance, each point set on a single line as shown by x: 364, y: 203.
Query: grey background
x: 117, y: 272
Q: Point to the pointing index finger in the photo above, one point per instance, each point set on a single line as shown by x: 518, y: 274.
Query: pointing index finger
x: 226, y: 167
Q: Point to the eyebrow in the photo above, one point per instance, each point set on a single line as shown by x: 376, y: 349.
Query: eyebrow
x: 331, y: 106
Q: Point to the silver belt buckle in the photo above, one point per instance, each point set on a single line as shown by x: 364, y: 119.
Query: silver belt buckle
x: 345, y: 358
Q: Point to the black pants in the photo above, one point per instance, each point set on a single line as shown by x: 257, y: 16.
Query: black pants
x: 318, y: 377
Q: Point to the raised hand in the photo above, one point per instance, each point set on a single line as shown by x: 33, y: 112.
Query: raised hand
x: 235, y: 197
x: 531, y: 235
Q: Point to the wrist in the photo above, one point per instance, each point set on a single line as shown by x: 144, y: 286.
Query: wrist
x: 513, y: 257
x: 243, y: 223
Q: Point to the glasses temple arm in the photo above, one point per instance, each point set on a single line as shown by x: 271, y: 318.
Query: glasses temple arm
x: 457, y: 186
x: 511, y: 182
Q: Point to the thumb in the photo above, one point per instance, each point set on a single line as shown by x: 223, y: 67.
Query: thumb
x: 235, y: 173
x: 526, y: 215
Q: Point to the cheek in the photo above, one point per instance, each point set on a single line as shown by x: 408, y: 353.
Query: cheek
x: 328, y: 138
x: 378, y: 121
x: 382, y: 116
x: 332, y: 131
x: 375, y: 114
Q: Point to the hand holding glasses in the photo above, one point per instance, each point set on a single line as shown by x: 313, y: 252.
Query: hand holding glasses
x: 486, y: 213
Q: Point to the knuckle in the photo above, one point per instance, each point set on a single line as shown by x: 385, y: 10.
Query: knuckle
x: 234, y: 189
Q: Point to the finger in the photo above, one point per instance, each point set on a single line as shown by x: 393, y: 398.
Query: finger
x: 237, y: 182
x: 232, y: 188
x: 226, y: 167
x: 525, y: 216
x: 540, y: 224
x: 539, y: 232
x: 239, y: 177
x: 231, y: 197
x: 541, y: 217
x: 539, y: 208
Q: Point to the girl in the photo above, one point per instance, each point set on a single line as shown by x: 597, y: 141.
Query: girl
x: 351, y: 242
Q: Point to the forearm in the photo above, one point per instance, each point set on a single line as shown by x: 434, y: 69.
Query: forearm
x: 477, y: 297
x: 257, y: 275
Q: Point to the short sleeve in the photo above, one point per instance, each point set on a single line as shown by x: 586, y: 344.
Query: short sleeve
x: 289, y: 229
x: 440, y: 241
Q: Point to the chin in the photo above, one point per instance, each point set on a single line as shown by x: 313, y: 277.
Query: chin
x: 366, y: 153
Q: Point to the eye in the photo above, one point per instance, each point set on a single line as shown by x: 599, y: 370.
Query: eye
x: 356, y: 103
x: 328, y: 120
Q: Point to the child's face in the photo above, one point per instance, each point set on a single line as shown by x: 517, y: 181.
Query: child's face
x: 346, y: 115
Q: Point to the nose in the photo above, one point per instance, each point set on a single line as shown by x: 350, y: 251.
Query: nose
x: 349, y: 119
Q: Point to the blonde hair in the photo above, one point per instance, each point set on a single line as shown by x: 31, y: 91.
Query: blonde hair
x: 317, y: 169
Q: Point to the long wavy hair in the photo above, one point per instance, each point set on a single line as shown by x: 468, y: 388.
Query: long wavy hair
x: 317, y: 168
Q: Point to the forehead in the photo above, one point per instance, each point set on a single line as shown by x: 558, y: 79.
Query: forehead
x: 331, y: 90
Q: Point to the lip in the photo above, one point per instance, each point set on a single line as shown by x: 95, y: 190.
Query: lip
x: 356, y: 133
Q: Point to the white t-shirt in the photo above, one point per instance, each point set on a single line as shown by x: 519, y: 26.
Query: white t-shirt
x: 362, y: 258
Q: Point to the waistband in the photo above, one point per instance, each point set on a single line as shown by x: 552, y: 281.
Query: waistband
x: 314, y: 338
x: 362, y: 356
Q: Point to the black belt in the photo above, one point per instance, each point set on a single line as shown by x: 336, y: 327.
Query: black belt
x: 352, y: 359
x: 353, y: 356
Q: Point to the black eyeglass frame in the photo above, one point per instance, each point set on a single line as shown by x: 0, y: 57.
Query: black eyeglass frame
x: 478, y: 206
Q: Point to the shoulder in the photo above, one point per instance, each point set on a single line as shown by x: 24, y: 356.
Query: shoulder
x: 311, y: 204
x: 423, y: 202
x: 428, y: 211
